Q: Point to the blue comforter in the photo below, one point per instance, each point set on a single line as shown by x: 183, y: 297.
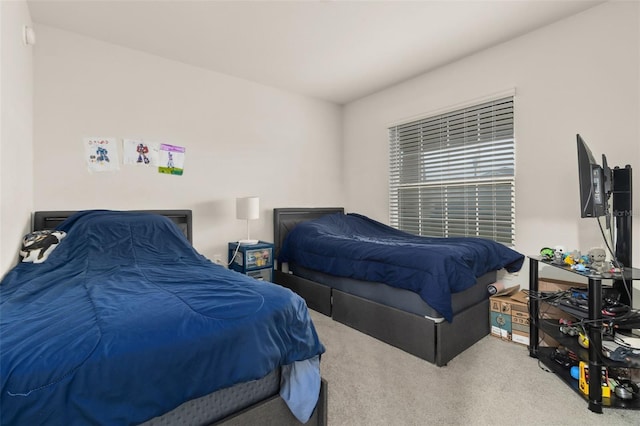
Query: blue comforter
x: 357, y: 247
x: 125, y: 321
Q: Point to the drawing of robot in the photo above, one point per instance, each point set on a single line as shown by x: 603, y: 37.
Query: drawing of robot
x: 142, y: 151
x: 101, y: 154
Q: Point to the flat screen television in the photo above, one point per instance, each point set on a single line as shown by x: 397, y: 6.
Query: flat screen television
x: 592, y: 180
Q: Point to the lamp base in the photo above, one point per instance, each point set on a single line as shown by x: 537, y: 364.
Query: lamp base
x: 248, y: 242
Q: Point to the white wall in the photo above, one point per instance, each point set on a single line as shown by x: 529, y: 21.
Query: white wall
x: 579, y: 75
x: 241, y: 138
x: 16, y: 131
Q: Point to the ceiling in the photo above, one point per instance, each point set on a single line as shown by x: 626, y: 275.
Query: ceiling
x: 338, y: 51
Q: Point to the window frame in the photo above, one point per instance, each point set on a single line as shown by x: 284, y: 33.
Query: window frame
x: 433, y: 154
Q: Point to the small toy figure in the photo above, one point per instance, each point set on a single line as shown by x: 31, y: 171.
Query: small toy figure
x: 597, y: 257
x: 558, y: 255
x: 573, y: 258
x: 584, y: 260
x: 579, y: 267
x: 170, y: 161
x: 547, y: 253
x: 576, y: 255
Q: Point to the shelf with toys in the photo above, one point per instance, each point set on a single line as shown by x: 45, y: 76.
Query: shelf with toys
x: 585, y: 337
x: 595, y: 330
x: 593, y: 264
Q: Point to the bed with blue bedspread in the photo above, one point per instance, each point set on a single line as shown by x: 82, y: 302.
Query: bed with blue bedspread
x: 125, y: 321
x: 387, y: 282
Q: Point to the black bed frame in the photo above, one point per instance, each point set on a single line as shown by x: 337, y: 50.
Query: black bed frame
x: 271, y: 411
x: 435, y: 342
x: 44, y: 220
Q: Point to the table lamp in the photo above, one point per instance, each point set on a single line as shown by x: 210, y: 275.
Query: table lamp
x: 248, y: 208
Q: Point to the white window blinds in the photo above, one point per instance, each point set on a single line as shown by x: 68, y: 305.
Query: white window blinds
x: 454, y: 174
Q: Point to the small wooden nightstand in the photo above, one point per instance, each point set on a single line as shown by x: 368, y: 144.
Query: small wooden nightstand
x: 255, y: 260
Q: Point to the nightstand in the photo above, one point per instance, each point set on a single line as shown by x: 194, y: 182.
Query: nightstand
x: 255, y: 260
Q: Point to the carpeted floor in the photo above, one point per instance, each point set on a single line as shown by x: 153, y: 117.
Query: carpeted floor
x: 492, y: 383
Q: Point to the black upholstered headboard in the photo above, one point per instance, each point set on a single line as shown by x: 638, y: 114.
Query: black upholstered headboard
x: 43, y: 220
x: 285, y: 219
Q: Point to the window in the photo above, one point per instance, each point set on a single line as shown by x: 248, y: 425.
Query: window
x: 453, y: 174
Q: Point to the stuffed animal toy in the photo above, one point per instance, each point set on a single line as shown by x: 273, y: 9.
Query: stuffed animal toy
x: 558, y: 255
x: 547, y: 253
x: 38, y: 245
x: 597, y: 257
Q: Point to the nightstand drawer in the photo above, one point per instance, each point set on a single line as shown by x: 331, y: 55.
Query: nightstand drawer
x: 264, y: 274
x: 255, y: 260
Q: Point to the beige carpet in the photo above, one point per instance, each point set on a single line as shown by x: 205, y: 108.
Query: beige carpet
x: 492, y: 383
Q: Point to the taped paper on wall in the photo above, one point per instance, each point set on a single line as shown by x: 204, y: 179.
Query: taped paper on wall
x: 140, y: 153
x: 171, y: 160
x: 101, y: 154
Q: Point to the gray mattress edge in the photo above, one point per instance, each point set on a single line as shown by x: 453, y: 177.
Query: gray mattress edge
x: 221, y: 403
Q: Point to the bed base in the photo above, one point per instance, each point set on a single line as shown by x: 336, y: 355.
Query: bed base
x: 435, y: 342
x: 317, y: 296
x: 271, y: 410
x: 274, y: 412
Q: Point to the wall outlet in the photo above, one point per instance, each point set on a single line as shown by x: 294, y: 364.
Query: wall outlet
x: 217, y: 258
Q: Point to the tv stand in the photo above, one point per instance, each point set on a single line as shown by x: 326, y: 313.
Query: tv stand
x: 594, y: 327
x: 621, y: 193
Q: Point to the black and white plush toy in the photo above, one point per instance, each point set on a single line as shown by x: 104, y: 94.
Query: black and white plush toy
x: 38, y: 245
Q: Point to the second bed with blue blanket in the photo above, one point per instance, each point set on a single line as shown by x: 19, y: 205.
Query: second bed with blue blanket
x: 427, y: 296
x: 357, y: 247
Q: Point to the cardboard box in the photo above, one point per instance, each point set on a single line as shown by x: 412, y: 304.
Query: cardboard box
x: 509, y: 317
x: 551, y: 284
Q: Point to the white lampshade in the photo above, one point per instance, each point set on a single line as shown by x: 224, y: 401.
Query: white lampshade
x: 248, y: 208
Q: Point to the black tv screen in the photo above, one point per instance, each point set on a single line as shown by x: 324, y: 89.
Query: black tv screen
x: 591, y: 179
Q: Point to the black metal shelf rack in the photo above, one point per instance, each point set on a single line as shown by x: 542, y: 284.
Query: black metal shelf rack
x: 593, y: 355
